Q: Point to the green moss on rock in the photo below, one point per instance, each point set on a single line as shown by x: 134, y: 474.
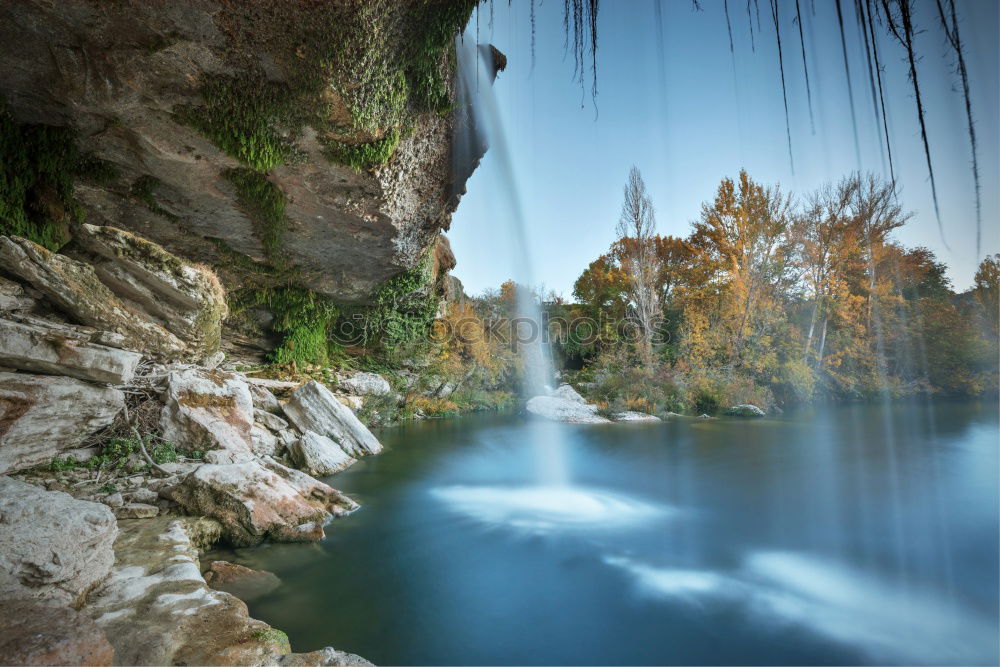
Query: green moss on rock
x: 37, y: 166
x: 264, y: 203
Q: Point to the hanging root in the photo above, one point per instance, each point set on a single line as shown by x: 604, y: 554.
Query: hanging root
x: 784, y: 92
x: 955, y: 40
x: 805, y: 66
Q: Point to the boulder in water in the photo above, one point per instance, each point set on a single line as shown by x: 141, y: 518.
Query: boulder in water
x: 745, y: 410
x: 565, y: 410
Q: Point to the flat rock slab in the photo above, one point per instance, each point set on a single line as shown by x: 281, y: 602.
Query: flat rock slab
x: 313, y: 407
x: 157, y: 609
x: 35, y: 346
x: 243, y: 582
x: 630, y: 416
x: 39, y: 633
x: 52, y: 546
x: 43, y: 415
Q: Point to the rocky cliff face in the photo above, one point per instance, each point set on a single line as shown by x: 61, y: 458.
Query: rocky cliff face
x: 277, y: 141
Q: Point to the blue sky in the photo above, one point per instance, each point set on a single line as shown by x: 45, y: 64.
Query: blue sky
x: 695, y: 115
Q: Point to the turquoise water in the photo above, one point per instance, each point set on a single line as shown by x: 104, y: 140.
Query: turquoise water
x: 848, y: 535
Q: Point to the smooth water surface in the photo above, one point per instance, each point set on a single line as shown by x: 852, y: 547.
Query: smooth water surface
x: 848, y: 535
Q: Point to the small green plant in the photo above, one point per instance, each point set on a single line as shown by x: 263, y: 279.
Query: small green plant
x: 109, y: 488
x: 363, y: 156
x: 273, y: 635
x: 164, y: 452
x: 61, y: 465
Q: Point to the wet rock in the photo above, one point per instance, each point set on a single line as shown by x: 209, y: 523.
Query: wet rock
x: 745, y: 410
x: 75, y: 289
x: 364, y: 384
x: 52, y: 546
x: 565, y: 410
x: 318, y: 455
x: 34, y: 346
x: 313, y: 407
x: 136, y: 511
x: 156, y: 608
x: 258, y: 500
x: 243, y: 582
x: 210, y: 411
x: 33, y: 632
x: 42, y: 415
x: 326, y: 657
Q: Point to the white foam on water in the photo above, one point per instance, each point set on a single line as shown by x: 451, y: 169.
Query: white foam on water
x: 547, y: 509
x: 835, y: 601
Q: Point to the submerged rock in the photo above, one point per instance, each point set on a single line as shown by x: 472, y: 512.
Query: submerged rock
x: 42, y: 415
x: 318, y: 455
x: 243, y: 582
x: 565, y: 410
x: 41, y: 346
x: 255, y: 501
x: 52, y: 546
x: 39, y: 633
x: 325, y: 657
x: 313, y: 407
x: 745, y: 410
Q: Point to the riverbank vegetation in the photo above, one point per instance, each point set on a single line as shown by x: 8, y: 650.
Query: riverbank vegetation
x: 775, y: 300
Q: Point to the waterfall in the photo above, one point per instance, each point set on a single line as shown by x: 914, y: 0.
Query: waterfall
x: 479, y: 126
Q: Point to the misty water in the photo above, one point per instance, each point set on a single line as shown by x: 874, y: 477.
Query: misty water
x: 843, y: 535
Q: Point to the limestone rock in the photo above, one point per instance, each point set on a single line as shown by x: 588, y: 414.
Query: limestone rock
x: 264, y: 443
x: 263, y: 399
x: 568, y: 393
x: 185, y: 299
x: 52, y: 546
x: 313, y: 407
x: 318, y: 455
x: 156, y: 609
x: 270, y: 421
x: 258, y: 500
x: 210, y: 411
x: 35, y: 346
x: 243, y: 582
x: 75, y: 289
x: 363, y: 384
x: 40, y: 416
x: 136, y: 511
x: 565, y: 410
x: 13, y: 297
x: 33, y: 632
x: 745, y: 410
x: 630, y: 416
x: 325, y: 657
